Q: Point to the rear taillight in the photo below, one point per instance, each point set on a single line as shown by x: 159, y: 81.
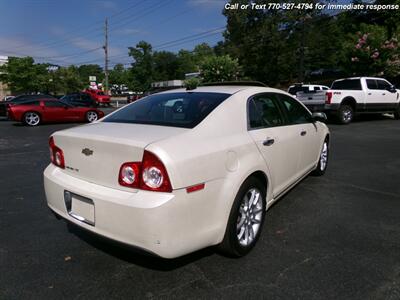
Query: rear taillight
x: 129, y: 174
x: 150, y: 174
x: 154, y: 174
x: 56, y: 154
x: 328, y: 97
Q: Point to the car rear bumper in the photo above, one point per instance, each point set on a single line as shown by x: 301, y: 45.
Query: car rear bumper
x: 166, y: 224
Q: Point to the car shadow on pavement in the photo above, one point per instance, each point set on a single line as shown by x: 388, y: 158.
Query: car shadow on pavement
x: 363, y: 118
x: 135, y: 255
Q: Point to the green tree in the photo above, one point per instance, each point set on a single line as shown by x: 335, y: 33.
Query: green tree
x: 165, y: 65
x: 142, y: 70
x: 118, y: 75
x: 368, y: 51
x: 219, y: 69
x: 186, y: 63
x: 84, y: 71
x: 22, y: 75
x: 201, y: 52
x: 69, y: 80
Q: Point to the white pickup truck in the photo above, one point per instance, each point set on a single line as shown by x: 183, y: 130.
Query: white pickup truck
x: 351, y: 96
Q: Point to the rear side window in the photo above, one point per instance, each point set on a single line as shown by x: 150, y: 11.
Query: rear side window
x: 347, y: 84
x: 54, y: 104
x: 31, y: 102
x: 185, y: 109
x: 371, y: 84
x: 263, y: 111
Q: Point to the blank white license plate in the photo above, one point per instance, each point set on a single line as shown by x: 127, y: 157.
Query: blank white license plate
x: 82, y: 209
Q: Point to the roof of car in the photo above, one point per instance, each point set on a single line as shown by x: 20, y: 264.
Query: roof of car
x: 227, y: 89
x: 366, y: 77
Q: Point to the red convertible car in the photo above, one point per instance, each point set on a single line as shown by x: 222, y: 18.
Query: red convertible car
x: 38, y: 111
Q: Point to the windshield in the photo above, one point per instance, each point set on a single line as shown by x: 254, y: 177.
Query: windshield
x: 170, y: 109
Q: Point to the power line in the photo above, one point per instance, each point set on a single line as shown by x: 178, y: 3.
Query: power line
x: 93, y: 28
x: 66, y: 41
x: 148, y: 11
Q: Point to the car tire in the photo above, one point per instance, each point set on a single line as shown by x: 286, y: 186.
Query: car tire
x: 323, y: 160
x: 92, y: 116
x: 345, y: 114
x: 396, y: 113
x: 241, y: 233
x: 31, y: 118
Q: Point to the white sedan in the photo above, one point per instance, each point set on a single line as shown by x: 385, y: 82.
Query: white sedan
x: 181, y: 170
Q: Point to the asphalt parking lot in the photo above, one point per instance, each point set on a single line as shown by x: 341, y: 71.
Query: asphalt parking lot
x: 331, y: 237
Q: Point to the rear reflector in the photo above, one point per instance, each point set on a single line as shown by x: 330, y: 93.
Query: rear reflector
x: 195, y: 188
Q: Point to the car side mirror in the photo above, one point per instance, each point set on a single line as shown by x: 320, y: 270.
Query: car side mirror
x: 319, y: 116
x: 392, y: 89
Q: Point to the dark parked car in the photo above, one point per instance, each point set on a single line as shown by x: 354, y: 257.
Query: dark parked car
x: 21, y: 99
x: 79, y: 99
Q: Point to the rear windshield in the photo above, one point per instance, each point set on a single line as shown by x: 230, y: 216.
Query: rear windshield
x: 172, y: 109
x: 295, y: 89
x: 347, y: 84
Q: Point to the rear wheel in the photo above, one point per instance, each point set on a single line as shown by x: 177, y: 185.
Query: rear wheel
x: 246, y: 219
x: 345, y: 114
x: 91, y: 116
x: 31, y: 118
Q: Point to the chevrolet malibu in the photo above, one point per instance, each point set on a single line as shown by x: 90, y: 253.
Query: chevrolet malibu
x: 181, y: 170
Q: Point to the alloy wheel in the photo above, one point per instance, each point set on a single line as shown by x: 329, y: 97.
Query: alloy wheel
x: 323, y: 160
x: 250, y: 217
x: 32, y: 119
x: 347, y: 115
x: 92, y: 116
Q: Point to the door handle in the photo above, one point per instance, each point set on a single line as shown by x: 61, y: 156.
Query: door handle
x: 303, y: 133
x: 268, y: 142
x: 369, y: 94
x: 384, y: 94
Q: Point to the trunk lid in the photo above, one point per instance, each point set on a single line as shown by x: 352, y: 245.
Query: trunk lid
x: 95, y: 152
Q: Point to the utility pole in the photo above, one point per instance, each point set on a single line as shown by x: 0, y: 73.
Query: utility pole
x: 106, y: 55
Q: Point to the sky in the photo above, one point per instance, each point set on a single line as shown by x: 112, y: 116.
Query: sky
x: 72, y: 31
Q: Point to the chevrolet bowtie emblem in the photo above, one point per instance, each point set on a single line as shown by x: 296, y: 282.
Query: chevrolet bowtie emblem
x: 87, y: 151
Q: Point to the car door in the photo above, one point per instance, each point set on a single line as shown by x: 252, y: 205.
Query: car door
x: 57, y: 111
x: 305, y: 131
x: 277, y: 142
x: 389, y: 98
x: 374, y: 96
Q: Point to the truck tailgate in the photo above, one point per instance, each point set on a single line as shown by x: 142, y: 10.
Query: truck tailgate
x: 312, y: 98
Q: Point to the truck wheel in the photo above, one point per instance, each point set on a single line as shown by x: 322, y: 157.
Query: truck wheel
x: 246, y: 219
x: 345, y: 114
